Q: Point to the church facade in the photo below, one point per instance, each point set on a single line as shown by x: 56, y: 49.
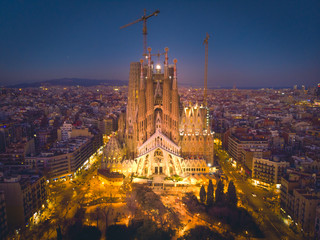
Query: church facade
x: 160, y: 135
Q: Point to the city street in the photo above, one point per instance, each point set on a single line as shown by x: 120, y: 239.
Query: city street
x: 255, y: 200
x: 83, y: 192
x: 65, y: 198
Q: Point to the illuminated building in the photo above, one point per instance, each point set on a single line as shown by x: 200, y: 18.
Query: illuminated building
x: 196, y: 137
x: 236, y: 144
x: 299, y: 200
x: 25, y: 194
x: 317, y: 224
x: 66, y: 158
x: 67, y: 131
x: 268, y: 172
x: 157, y: 135
x: 64, y: 133
x: 3, y: 217
x: 306, y: 201
x: 247, y: 156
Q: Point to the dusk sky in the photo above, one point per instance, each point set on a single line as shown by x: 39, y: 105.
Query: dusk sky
x: 254, y: 43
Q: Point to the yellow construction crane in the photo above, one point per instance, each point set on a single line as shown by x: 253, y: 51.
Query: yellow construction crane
x: 144, y: 30
x: 205, y: 43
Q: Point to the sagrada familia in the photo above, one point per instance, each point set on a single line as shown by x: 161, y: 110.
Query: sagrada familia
x: 157, y: 134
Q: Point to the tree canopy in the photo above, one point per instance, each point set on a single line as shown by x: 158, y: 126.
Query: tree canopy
x: 219, y: 196
x: 210, y: 197
x: 232, y: 195
x: 201, y: 233
x: 202, y: 194
x: 78, y: 231
x: 118, y: 232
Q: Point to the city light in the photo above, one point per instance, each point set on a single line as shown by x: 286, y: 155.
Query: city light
x: 145, y: 153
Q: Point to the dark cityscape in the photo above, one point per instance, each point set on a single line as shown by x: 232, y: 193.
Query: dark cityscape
x: 144, y: 120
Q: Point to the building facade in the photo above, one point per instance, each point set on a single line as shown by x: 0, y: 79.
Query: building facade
x: 237, y: 144
x: 299, y: 199
x: 196, y: 137
x: 3, y: 217
x: 67, y: 157
x: 25, y: 196
x: 157, y: 134
x: 152, y: 96
x: 306, y: 202
x: 268, y: 172
x: 317, y: 224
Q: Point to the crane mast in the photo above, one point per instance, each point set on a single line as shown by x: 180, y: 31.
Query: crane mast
x: 144, y: 18
x: 205, y: 42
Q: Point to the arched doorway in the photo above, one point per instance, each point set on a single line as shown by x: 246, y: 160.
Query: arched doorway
x: 158, y: 161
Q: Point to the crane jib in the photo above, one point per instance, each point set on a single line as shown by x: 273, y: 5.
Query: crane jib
x: 144, y: 32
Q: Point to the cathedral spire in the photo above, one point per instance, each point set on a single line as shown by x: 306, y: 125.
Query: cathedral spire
x: 158, y: 90
x: 166, y: 70
x: 166, y: 56
x: 174, y: 84
x: 149, y: 63
x: 141, y: 75
x: 158, y: 122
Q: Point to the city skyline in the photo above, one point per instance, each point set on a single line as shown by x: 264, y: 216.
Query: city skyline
x: 153, y: 160
x: 252, y: 44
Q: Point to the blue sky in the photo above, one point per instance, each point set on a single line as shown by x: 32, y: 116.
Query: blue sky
x: 254, y: 43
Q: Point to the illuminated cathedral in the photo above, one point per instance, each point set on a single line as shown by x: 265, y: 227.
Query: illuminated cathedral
x: 159, y: 134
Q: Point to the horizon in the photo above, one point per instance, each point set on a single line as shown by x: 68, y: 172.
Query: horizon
x: 184, y: 85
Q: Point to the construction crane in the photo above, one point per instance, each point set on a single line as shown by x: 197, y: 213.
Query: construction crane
x: 205, y: 43
x: 158, y: 55
x: 144, y: 30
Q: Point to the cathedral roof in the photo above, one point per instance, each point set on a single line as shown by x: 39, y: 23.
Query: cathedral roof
x: 159, y: 140
x: 113, y: 150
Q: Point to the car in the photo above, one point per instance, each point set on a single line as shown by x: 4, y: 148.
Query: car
x: 254, y: 195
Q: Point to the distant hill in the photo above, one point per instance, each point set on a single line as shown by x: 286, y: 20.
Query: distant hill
x: 71, y: 82
x: 84, y: 82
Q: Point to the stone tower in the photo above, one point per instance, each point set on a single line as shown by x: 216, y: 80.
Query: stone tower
x: 152, y: 95
x: 132, y: 108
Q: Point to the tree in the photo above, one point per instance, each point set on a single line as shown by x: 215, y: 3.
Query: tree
x: 131, y: 201
x: 79, y: 232
x: 192, y: 203
x: 220, y: 193
x: 118, y: 232
x: 59, y: 234
x: 202, y: 194
x: 174, y: 218
x: 90, y: 232
x: 232, y: 195
x: 150, y: 202
x: 210, y: 193
x: 201, y: 233
x: 149, y: 230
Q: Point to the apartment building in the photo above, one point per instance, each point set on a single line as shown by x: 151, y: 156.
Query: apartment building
x: 237, y: 144
x: 300, y: 199
x: 305, y: 204
x: 3, y: 217
x: 268, y: 172
x: 25, y: 195
x: 66, y: 157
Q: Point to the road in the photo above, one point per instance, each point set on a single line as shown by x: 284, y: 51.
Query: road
x: 64, y: 198
x: 252, y: 199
